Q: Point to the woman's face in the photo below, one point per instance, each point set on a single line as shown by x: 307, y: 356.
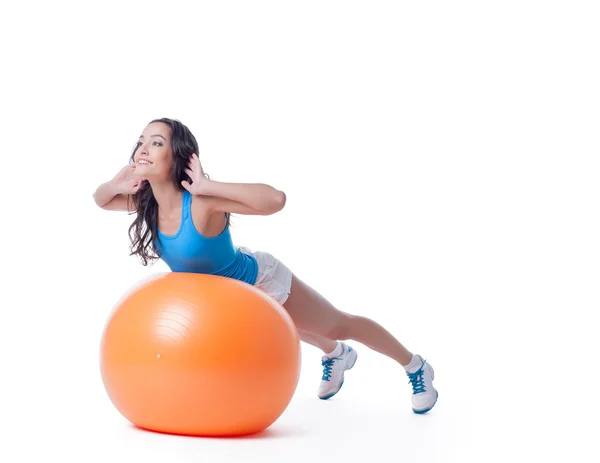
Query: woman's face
x: 153, y: 156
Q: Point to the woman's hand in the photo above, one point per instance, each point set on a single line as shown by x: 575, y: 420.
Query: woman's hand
x: 126, y: 181
x: 196, y: 174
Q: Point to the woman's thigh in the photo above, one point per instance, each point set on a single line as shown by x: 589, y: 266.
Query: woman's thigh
x: 309, y: 310
x: 313, y: 313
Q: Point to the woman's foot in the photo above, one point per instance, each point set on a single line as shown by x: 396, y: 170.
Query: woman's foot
x: 334, y: 364
x: 421, y: 375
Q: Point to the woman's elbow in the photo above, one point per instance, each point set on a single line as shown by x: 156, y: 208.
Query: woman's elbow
x: 279, y: 202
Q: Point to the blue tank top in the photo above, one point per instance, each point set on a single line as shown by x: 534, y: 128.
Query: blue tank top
x: 189, y: 251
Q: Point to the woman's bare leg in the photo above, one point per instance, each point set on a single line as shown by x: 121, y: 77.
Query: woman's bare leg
x: 314, y: 314
x: 326, y: 345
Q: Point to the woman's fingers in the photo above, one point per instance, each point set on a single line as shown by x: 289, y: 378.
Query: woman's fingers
x: 137, y: 185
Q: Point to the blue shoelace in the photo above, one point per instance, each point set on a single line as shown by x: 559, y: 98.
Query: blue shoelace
x: 327, y: 365
x: 416, y: 379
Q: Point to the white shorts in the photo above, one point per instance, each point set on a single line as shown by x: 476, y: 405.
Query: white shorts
x: 273, y: 277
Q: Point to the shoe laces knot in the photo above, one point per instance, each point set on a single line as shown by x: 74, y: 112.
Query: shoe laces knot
x: 417, y: 381
x: 327, y: 366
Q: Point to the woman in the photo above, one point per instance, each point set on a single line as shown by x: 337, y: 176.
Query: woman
x: 183, y: 218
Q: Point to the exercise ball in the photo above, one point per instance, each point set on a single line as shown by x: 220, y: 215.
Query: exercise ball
x: 197, y: 354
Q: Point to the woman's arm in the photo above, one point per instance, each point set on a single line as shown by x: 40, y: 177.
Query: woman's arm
x: 115, y: 194
x: 105, y: 193
x: 244, y: 198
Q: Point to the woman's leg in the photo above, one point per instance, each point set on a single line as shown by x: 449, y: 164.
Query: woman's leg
x: 326, y: 345
x: 314, y: 314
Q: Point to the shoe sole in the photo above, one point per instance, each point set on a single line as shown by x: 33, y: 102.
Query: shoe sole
x: 420, y: 412
x: 342, y: 383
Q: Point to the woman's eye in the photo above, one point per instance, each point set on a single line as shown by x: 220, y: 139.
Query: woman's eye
x: 139, y: 143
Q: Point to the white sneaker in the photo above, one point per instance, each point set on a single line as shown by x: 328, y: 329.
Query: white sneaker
x: 333, y: 372
x: 424, y: 394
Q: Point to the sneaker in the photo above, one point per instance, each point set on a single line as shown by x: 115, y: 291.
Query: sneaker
x: 333, y: 372
x: 424, y: 394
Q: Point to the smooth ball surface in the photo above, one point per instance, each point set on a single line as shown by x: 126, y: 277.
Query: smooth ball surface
x: 198, y: 354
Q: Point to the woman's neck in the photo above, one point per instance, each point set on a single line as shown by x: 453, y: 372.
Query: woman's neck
x: 167, y: 196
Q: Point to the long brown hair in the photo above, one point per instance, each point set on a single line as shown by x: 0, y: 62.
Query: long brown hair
x: 143, y: 232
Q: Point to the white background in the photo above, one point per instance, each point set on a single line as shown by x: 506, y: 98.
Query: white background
x: 440, y: 161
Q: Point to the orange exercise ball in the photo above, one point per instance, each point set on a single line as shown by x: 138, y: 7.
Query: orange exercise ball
x: 197, y: 354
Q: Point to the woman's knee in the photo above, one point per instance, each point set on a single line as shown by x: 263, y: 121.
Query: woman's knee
x: 342, y: 329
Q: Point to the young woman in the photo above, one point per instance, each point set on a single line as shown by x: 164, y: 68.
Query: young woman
x: 182, y: 217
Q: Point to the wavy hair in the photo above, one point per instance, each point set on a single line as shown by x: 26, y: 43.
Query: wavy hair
x: 143, y: 232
